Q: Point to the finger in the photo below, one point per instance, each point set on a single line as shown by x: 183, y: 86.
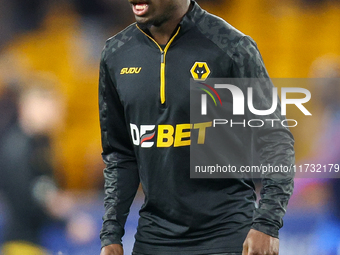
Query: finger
x: 245, y: 248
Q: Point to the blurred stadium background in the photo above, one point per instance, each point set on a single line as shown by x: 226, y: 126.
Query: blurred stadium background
x: 57, y: 45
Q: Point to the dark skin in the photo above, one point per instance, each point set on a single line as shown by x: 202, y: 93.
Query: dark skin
x: 161, y: 19
x: 258, y: 243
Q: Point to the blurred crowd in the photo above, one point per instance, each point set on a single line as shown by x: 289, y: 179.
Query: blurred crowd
x: 21, y: 16
x: 49, y: 124
x: 18, y: 16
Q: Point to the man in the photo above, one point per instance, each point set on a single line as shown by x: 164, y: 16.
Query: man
x: 144, y: 99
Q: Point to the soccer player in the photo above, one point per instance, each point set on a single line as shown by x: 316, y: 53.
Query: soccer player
x: 144, y: 103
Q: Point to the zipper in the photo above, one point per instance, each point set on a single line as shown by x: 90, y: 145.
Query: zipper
x: 163, y: 55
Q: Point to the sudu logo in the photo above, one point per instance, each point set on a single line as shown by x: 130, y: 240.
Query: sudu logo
x: 130, y: 70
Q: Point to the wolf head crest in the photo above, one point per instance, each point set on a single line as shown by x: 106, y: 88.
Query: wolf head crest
x: 200, y: 71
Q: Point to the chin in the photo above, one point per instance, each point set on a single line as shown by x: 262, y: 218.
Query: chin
x: 149, y: 21
x: 142, y: 20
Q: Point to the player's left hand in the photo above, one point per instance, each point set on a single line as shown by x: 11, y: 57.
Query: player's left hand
x: 258, y: 243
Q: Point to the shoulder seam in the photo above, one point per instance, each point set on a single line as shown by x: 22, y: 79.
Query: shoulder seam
x: 241, y: 35
x: 118, y: 42
x: 122, y: 31
x: 237, y: 45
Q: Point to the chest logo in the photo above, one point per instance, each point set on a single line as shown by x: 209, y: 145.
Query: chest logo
x: 200, y: 71
x: 130, y: 70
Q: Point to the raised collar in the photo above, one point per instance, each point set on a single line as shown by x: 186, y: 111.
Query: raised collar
x: 192, y: 16
x: 188, y: 21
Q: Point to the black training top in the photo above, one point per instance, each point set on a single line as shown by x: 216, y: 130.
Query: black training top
x: 145, y: 116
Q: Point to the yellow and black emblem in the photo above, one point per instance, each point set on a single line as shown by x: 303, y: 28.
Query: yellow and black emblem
x: 200, y: 71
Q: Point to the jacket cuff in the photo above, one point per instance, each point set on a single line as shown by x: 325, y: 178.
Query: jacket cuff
x: 111, y: 233
x: 267, y: 229
x: 111, y: 239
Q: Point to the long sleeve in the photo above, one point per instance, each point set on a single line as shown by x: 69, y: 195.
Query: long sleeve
x: 121, y: 172
x: 274, y: 143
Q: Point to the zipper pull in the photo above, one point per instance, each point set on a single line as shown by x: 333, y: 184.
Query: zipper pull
x: 162, y: 56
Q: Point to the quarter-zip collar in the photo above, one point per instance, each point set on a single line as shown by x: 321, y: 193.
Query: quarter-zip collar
x: 187, y: 22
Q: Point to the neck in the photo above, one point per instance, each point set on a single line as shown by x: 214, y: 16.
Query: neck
x: 163, y: 32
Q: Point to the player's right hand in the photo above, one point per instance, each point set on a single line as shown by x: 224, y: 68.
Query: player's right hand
x: 112, y: 249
